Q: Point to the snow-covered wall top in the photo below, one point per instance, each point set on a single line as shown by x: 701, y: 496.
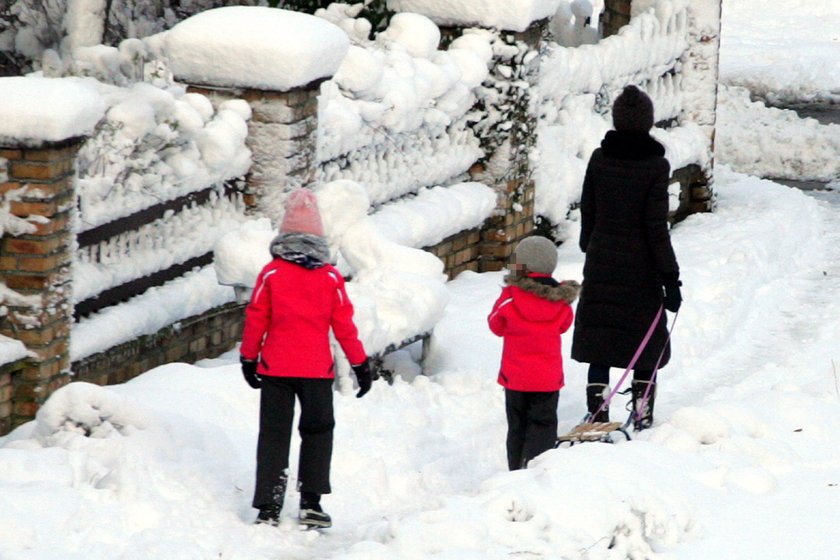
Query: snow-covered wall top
x: 508, y: 15
x: 647, y: 47
x: 36, y: 110
x: 257, y: 47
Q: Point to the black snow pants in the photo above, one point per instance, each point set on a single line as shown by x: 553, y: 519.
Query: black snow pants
x: 277, y: 410
x: 532, y: 425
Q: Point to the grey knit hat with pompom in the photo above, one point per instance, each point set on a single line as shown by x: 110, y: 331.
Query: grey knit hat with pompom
x: 536, y: 254
x: 633, y: 110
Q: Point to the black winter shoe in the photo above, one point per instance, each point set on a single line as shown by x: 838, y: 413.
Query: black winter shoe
x: 311, y: 514
x: 594, y: 400
x: 642, y: 419
x: 269, y: 515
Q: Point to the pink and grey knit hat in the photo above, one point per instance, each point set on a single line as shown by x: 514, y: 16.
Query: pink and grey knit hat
x: 301, y: 214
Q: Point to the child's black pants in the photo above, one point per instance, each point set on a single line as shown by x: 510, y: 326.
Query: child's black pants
x: 532, y: 425
x: 277, y: 410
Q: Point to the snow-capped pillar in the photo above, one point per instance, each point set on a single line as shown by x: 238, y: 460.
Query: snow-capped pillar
x: 276, y: 60
x: 282, y: 137
x: 36, y: 265
x: 43, y: 123
x: 508, y: 133
x: 700, y: 82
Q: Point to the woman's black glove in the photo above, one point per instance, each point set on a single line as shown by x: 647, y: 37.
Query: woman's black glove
x: 249, y: 372
x: 364, y: 377
x: 673, y: 297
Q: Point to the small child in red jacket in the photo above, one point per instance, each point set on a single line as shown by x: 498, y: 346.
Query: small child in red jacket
x: 530, y: 315
x: 298, y: 298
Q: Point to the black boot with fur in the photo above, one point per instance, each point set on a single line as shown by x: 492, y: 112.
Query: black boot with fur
x: 643, y: 419
x: 594, y: 401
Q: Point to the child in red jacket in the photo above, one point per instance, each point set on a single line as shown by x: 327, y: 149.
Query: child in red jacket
x: 297, y: 299
x: 531, y: 314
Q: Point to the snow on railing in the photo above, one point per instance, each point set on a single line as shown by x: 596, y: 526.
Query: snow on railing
x: 394, y: 117
x: 154, y: 188
x: 578, y: 85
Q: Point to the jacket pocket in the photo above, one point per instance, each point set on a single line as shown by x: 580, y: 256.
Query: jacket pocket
x: 264, y: 364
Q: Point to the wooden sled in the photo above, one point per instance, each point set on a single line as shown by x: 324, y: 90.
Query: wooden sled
x: 594, y: 431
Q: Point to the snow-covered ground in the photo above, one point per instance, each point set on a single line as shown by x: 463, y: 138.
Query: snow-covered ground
x: 742, y: 461
x: 785, y: 52
x: 785, y: 55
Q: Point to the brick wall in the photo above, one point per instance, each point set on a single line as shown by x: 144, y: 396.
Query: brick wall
x: 459, y: 252
x: 8, y: 372
x: 38, y: 265
x: 188, y: 340
x: 616, y: 15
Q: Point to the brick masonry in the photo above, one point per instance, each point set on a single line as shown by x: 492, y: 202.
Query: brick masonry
x: 8, y: 372
x: 616, y: 15
x: 282, y: 139
x: 37, y: 265
x: 188, y: 340
x: 459, y: 252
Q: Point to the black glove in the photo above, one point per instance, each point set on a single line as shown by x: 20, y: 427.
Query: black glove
x: 249, y: 372
x: 673, y: 297
x: 364, y: 377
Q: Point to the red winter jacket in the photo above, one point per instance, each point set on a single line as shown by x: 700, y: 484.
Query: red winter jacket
x: 288, y: 321
x: 531, y: 316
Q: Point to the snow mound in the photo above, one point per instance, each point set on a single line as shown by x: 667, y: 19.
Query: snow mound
x: 90, y: 411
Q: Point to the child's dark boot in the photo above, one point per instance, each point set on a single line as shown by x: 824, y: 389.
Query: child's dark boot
x: 311, y: 514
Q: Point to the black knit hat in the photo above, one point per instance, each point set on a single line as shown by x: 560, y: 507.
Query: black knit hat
x: 633, y: 110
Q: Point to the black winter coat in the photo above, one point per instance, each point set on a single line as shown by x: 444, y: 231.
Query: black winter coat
x: 624, y: 233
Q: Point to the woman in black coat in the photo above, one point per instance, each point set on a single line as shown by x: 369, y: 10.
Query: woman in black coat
x: 629, y: 258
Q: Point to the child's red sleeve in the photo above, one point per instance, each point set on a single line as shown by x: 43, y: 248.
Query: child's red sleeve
x: 343, y: 325
x: 257, y: 317
x: 497, y: 320
x: 566, y: 318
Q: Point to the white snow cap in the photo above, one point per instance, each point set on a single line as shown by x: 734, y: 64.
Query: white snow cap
x: 510, y: 15
x: 47, y: 109
x: 259, y: 47
x: 416, y: 33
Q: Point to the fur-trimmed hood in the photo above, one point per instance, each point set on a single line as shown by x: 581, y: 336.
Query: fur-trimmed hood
x: 567, y: 290
x: 307, y: 250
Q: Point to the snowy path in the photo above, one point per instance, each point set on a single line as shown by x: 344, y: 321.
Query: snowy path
x: 744, y: 441
x: 779, y: 335
x: 788, y: 322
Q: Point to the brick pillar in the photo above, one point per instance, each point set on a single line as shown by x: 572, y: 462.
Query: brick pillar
x: 7, y: 389
x: 282, y: 136
x: 37, y: 265
x: 507, y: 133
x: 616, y: 15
